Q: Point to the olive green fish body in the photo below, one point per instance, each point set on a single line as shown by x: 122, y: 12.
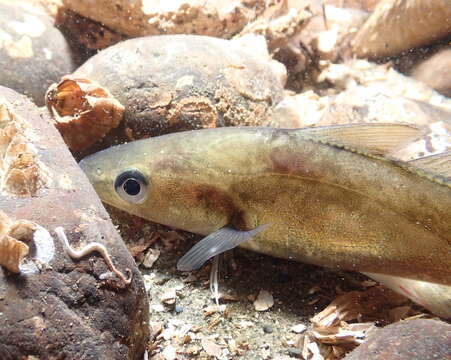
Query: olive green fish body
x: 325, y: 204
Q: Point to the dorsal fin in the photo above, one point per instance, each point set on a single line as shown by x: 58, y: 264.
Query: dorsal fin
x: 439, y: 164
x: 380, y: 139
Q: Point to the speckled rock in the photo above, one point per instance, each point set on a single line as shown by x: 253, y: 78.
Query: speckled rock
x: 181, y: 82
x: 424, y: 339
x: 33, y: 53
x: 57, y: 307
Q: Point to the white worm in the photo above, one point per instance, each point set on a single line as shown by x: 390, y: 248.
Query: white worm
x: 89, y: 248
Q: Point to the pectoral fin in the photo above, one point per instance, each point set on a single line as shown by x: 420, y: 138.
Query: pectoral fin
x: 439, y: 164
x: 214, y: 244
x: 380, y: 139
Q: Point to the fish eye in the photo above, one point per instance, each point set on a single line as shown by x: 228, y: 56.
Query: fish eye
x: 131, y: 185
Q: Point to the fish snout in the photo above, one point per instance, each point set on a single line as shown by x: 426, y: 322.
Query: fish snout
x: 98, y: 175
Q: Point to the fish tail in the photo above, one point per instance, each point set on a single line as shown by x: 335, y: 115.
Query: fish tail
x: 434, y: 297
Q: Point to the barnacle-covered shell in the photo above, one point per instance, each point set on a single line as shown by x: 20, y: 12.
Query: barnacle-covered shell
x: 12, y: 249
x: 33, y: 53
x: 12, y: 252
x: 21, y: 172
x: 83, y: 111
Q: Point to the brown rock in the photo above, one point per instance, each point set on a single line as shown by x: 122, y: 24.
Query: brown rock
x: 33, y: 54
x: 214, y: 18
x: 87, y: 34
x: 58, y: 307
x: 424, y: 339
x: 398, y: 25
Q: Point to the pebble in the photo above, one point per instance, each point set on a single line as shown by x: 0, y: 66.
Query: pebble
x: 169, y: 353
x: 211, y: 348
x: 245, y: 324
x: 178, y: 309
x: 168, y: 297
x: 299, y: 328
x: 294, y: 351
x: 213, y: 309
x: 157, y: 307
x: 161, y: 279
x: 265, y: 354
x: 268, y: 329
x: 151, y: 257
x: 264, y: 301
x: 148, y: 281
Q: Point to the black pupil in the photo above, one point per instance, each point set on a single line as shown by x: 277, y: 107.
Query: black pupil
x: 132, y: 187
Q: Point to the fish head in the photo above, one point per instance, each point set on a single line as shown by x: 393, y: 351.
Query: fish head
x: 157, y: 179
x: 120, y: 176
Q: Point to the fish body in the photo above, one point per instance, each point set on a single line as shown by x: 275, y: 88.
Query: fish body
x: 323, y: 202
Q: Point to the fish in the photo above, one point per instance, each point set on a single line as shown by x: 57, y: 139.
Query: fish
x: 330, y: 196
